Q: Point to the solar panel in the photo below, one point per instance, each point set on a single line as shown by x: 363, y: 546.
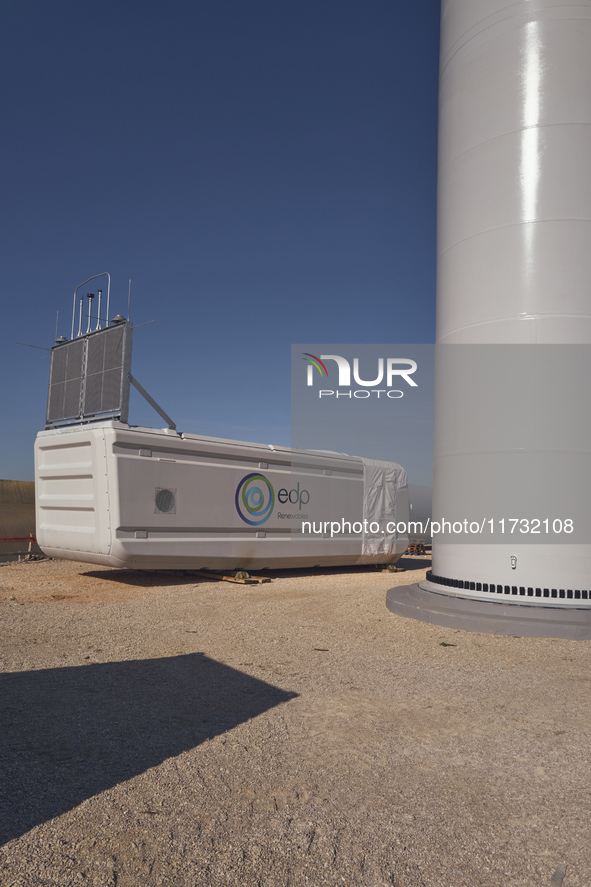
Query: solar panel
x: 89, y: 377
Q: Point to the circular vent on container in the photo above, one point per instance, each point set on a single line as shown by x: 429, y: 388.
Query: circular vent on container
x: 165, y: 501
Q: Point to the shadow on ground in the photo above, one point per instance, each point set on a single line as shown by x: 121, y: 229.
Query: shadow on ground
x: 164, y: 578
x: 406, y: 562
x: 69, y: 733
x: 145, y: 578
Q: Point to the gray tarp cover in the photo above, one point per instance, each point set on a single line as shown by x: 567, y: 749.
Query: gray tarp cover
x: 381, y: 483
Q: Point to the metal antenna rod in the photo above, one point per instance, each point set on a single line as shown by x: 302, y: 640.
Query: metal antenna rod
x: 98, y: 322
x: 80, y: 320
x: 90, y: 297
x: 103, y: 273
x: 40, y: 347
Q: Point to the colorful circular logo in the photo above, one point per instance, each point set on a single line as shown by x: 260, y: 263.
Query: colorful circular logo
x: 255, y: 499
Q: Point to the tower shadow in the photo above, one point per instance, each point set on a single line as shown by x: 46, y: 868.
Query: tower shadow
x: 67, y: 734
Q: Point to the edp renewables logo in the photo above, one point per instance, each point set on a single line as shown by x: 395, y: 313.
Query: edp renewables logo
x: 255, y: 499
x: 390, y: 370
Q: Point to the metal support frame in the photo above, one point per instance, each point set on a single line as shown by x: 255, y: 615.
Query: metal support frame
x: 152, y: 402
x: 85, y: 411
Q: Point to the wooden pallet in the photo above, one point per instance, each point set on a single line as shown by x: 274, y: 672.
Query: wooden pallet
x: 240, y: 577
x: 415, y: 548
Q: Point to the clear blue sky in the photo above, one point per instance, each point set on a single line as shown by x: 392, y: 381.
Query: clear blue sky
x: 263, y: 170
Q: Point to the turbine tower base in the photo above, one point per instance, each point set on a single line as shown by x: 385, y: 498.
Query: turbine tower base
x: 426, y: 604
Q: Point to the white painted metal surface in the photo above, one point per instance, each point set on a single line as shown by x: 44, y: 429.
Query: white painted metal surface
x: 108, y: 493
x: 514, y: 254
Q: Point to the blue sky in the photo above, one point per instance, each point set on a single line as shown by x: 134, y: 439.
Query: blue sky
x: 264, y: 172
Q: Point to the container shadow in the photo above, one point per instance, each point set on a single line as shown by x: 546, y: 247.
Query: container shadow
x: 407, y: 562
x: 410, y: 562
x: 67, y: 734
x: 144, y: 578
x: 165, y: 578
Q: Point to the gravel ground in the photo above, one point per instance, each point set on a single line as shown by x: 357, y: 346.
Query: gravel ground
x: 157, y: 729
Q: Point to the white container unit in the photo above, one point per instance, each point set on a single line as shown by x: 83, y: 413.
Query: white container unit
x: 108, y: 493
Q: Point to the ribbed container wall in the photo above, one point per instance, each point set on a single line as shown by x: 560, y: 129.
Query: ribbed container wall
x: 514, y: 251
